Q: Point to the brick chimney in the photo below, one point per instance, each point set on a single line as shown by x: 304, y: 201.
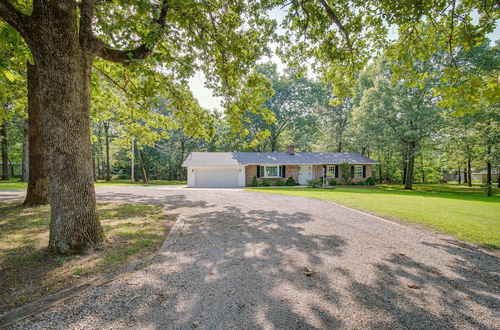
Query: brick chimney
x: 291, y: 150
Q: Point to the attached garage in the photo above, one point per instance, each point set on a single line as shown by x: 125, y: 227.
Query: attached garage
x: 216, y: 176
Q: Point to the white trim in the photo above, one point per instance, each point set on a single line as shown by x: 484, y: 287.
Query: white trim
x: 279, y: 172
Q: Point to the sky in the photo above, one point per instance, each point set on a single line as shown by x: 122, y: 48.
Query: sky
x: 208, y: 101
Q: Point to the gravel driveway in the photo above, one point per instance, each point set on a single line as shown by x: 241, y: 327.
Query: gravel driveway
x: 239, y: 262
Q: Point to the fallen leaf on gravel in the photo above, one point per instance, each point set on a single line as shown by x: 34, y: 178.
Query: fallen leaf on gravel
x: 196, y: 324
x: 308, y: 271
x: 414, y: 286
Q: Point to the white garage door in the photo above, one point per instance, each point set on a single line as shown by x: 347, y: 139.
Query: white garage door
x: 216, y: 177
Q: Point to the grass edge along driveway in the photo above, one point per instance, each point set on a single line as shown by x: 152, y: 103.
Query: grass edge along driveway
x: 14, y: 183
x: 462, y: 212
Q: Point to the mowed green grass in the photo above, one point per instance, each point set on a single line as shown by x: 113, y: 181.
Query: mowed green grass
x: 464, y: 212
x: 15, y: 184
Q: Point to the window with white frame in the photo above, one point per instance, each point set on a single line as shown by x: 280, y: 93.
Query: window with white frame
x: 273, y: 171
x: 358, y: 171
x: 330, y: 171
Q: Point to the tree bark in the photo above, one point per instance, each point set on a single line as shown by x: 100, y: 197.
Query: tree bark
x: 466, y: 176
x: 488, y: 174
x: 144, y: 174
x: 25, y: 164
x: 5, y: 152
x: 422, y: 169
x: 38, y: 181
x: 273, y: 142
x: 379, y: 168
x: 459, y: 175
x: 98, y: 154
x: 405, y: 167
x: 106, y: 132
x: 132, y: 163
x: 64, y: 68
x: 469, y: 173
x: 488, y: 179
x: 93, y: 163
x: 411, y: 163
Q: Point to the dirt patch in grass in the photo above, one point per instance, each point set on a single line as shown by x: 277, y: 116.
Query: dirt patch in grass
x: 28, y: 272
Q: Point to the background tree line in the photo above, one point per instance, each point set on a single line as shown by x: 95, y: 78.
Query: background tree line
x: 401, y: 124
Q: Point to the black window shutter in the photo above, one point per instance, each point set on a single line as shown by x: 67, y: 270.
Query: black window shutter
x: 336, y: 171
x: 352, y: 171
x: 258, y: 171
x: 364, y: 171
x: 283, y: 171
x: 324, y: 171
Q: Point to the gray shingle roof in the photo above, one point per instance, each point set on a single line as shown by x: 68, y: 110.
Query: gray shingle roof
x: 281, y: 158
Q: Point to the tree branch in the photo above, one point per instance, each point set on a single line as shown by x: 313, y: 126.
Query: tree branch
x: 337, y: 22
x: 14, y: 17
x: 124, y: 56
x: 86, y: 15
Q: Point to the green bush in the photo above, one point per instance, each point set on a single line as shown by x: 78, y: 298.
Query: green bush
x: 291, y: 182
x: 254, y: 182
x: 333, y: 182
x: 123, y: 176
x: 370, y: 181
x: 360, y: 183
x: 265, y: 183
x: 280, y: 182
x: 314, y: 183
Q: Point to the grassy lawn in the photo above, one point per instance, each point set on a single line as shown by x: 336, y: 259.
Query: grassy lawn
x: 15, y: 184
x: 464, y: 212
x: 28, y: 272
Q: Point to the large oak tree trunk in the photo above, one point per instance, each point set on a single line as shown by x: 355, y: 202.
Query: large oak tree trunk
x: 410, y: 166
x: 5, y: 151
x: 64, y: 70
x: 38, y: 181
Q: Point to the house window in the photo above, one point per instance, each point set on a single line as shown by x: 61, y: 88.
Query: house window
x: 358, y: 171
x: 270, y: 171
x: 330, y: 171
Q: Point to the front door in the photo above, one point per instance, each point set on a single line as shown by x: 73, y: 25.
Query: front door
x: 305, y: 173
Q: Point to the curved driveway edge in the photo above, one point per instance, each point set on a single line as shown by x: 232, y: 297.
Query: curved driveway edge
x: 264, y: 261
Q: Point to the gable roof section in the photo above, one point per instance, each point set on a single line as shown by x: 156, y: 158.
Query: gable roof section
x: 281, y: 158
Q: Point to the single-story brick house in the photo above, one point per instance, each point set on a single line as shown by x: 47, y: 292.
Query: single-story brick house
x: 237, y: 169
